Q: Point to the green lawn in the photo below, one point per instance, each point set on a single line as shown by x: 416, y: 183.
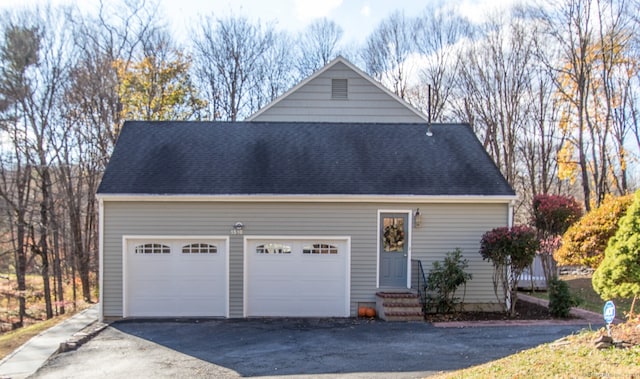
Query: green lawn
x: 581, y: 288
x: 571, y: 357
x: 574, y: 356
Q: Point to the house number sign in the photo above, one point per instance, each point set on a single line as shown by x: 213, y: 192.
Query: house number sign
x: 609, y: 312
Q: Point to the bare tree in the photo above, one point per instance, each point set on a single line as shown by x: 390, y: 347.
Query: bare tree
x: 386, y: 52
x: 277, y: 71
x: 495, y: 80
x: 15, y: 166
x: 571, y: 28
x: 540, y: 142
x: 438, y: 33
x: 36, y: 92
x: 228, y: 59
x: 318, y: 45
x: 614, y: 87
x: 93, y: 116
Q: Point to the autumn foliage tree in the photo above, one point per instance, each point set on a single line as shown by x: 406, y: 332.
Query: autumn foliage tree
x: 584, y: 242
x: 552, y: 216
x: 511, y: 251
x: 618, y: 276
x: 595, y: 54
x: 158, y: 86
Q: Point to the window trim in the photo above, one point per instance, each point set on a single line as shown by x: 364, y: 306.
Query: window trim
x: 199, y: 248
x: 319, y: 248
x: 278, y: 247
x: 152, y: 248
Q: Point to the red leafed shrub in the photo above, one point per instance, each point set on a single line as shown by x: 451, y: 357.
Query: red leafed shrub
x: 510, y: 250
x: 515, y: 246
x: 554, y: 214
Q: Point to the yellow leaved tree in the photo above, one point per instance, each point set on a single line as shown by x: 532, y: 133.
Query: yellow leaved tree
x: 592, y: 88
x: 158, y: 87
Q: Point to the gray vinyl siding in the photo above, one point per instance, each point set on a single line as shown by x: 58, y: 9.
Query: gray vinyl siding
x: 365, y: 102
x: 444, y: 227
x: 447, y: 227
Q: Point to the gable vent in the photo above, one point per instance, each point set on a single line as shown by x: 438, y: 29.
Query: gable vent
x: 339, y: 89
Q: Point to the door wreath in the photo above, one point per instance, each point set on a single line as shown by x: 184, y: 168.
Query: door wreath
x: 393, y: 238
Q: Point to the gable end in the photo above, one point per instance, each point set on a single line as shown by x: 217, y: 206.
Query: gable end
x: 369, y: 101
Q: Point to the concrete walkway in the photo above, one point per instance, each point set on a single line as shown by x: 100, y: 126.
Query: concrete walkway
x: 28, y: 358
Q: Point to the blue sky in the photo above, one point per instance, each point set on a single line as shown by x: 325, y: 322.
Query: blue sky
x: 357, y: 17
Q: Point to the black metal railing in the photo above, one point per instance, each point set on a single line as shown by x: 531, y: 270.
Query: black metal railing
x: 419, y: 282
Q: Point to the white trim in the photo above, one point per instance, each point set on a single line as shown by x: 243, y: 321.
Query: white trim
x: 127, y: 237
x: 125, y: 274
x: 409, y: 245
x: 316, y: 74
x: 101, y: 259
x: 510, y: 214
x: 312, y: 198
x: 245, y: 278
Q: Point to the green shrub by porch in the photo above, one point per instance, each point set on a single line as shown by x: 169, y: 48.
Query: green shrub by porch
x: 444, y: 279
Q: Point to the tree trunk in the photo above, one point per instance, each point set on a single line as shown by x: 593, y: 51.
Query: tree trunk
x: 84, y: 272
x: 40, y: 249
x: 44, y: 271
x: 584, y: 173
x: 21, y: 268
x: 82, y: 257
x: 43, y: 249
x: 57, y: 267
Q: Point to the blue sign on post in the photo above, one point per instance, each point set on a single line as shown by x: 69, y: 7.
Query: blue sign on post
x: 609, y: 312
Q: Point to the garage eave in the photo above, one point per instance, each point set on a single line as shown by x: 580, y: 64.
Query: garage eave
x: 308, y: 198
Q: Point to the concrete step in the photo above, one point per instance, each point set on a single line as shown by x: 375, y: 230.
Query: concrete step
x: 399, y: 306
x: 398, y: 298
x: 404, y: 316
x: 397, y: 295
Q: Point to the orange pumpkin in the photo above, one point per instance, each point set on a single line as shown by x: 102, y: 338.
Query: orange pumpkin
x: 370, y: 312
x: 362, y: 311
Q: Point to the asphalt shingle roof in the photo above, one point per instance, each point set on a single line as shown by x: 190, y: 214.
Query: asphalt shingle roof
x: 223, y: 158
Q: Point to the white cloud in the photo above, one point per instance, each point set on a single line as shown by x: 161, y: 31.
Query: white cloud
x: 366, y: 10
x: 307, y: 10
x: 478, y: 10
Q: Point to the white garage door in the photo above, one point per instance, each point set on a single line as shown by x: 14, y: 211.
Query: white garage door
x: 297, y: 277
x: 175, y: 277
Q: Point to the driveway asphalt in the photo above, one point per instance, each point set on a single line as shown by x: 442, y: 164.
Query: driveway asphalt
x: 351, y: 348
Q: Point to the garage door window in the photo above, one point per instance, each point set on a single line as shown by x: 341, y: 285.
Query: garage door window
x: 320, y: 248
x: 199, y: 248
x: 152, y: 248
x: 273, y: 248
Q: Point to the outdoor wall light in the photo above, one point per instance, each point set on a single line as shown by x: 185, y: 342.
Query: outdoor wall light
x: 417, y: 218
x: 238, y: 228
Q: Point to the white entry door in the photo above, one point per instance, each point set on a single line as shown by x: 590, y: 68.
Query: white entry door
x: 295, y: 277
x: 175, y: 277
